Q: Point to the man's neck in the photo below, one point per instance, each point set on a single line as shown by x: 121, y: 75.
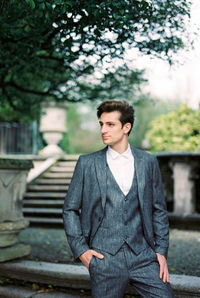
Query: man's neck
x: 120, y: 148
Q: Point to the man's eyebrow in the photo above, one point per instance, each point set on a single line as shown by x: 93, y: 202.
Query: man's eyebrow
x: 107, y: 122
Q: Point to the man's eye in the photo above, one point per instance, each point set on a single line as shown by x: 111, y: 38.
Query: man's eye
x: 111, y: 124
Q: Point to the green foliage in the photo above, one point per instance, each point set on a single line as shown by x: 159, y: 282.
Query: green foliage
x: 146, y: 110
x: 176, y: 131
x: 51, y: 49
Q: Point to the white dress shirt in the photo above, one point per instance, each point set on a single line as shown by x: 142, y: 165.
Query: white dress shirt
x: 122, y: 167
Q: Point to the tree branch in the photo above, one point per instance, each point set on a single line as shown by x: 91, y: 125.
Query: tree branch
x: 3, y: 4
x: 9, y: 99
x: 22, y: 89
x: 52, y: 58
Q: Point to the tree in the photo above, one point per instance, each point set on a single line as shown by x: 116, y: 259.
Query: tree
x: 177, y: 131
x: 51, y: 49
x: 146, y: 110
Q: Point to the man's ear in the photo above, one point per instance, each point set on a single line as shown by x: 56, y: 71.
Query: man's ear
x: 127, y: 127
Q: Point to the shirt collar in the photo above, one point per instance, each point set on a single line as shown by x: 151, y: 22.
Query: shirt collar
x: 114, y: 154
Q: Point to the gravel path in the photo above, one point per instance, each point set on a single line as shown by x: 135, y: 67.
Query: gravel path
x: 51, y: 245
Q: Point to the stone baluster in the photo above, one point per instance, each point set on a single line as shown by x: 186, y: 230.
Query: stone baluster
x: 184, y: 186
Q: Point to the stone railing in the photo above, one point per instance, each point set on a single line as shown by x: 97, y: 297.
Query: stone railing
x: 181, y: 179
x: 13, y: 173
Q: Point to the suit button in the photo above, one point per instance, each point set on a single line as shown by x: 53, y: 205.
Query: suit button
x: 125, y: 211
x: 125, y: 199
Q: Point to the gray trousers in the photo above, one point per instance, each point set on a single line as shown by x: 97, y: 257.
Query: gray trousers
x: 111, y: 275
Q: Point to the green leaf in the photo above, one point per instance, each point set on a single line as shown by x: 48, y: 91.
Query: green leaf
x: 31, y: 3
x: 42, y: 6
x: 27, y: 28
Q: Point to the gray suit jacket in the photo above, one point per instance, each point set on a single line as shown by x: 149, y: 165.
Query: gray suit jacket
x: 86, y: 197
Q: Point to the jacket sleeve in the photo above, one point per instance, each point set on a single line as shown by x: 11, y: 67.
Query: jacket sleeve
x: 71, y: 212
x: 160, y: 215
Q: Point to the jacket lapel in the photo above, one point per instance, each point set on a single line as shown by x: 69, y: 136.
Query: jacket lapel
x: 100, y: 165
x: 140, y: 173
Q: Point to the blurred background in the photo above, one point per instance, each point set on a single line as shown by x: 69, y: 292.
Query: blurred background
x: 68, y: 59
x: 59, y: 59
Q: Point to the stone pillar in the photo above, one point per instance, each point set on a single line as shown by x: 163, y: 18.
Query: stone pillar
x: 183, y: 187
x: 53, y: 126
x: 13, y: 173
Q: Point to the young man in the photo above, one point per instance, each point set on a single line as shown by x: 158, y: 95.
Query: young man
x: 115, y: 214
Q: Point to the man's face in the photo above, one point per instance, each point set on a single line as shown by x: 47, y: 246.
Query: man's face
x: 112, y: 130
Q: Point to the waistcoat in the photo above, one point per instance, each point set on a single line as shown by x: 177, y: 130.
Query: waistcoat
x: 121, y: 222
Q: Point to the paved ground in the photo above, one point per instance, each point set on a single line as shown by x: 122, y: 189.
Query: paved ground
x: 51, y: 245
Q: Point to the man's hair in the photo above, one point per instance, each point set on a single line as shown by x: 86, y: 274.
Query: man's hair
x: 126, y: 111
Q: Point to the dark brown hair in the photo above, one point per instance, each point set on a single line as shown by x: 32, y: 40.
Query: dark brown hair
x: 126, y: 110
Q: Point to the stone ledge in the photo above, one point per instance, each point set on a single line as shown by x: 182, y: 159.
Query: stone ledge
x: 184, y: 221
x: 11, y: 291
x: 178, y: 154
x: 77, y: 276
x: 13, y: 163
x: 18, y: 250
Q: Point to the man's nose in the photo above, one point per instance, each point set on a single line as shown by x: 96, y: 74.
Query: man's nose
x: 103, y: 129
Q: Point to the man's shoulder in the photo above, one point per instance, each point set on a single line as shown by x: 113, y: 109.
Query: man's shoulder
x: 143, y: 154
x: 92, y: 155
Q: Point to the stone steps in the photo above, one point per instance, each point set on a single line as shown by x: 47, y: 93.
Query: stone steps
x: 44, y: 198
x: 66, y: 163
x: 19, y: 291
x: 58, y: 169
x: 48, y: 211
x: 47, y: 195
x: 38, y: 203
x: 57, y: 175
x: 45, y: 221
x: 47, y: 188
x: 42, y: 181
x: 77, y: 277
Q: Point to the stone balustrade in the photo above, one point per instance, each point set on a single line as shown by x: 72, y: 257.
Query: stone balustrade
x: 181, y: 179
x: 13, y: 173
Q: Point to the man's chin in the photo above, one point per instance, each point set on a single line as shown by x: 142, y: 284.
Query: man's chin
x: 106, y: 142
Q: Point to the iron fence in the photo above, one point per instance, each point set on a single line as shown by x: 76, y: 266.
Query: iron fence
x: 19, y: 138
